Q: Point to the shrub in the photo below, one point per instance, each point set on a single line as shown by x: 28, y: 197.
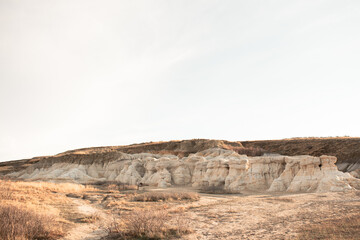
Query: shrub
x: 115, y: 185
x: 8, y: 187
x: 165, y: 196
x: 20, y: 223
x: 121, y: 186
x: 148, y: 224
x: 215, y: 190
x: 282, y: 199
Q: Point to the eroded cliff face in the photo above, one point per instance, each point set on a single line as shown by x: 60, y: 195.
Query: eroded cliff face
x: 213, y: 167
x: 346, y: 149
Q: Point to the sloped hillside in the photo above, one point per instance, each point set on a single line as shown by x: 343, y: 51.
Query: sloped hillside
x: 103, y: 154
x: 182, y: 148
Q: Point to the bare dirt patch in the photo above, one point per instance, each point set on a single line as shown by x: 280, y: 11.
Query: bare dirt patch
x: 267, y: 216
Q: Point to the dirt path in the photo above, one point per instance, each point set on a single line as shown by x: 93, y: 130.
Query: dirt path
x: 223, y: 216
x: 94, y: 228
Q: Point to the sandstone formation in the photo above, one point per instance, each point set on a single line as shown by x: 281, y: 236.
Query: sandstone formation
x: 212, y: 167
x: 346, y: 149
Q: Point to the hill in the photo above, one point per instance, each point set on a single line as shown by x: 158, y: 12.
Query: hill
x: 346, y: 149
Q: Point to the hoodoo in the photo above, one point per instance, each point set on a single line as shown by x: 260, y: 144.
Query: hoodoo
x: 211, y: 167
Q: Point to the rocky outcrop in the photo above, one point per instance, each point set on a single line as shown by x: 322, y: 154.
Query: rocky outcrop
x: 213, y: 167
x: 346, y: 149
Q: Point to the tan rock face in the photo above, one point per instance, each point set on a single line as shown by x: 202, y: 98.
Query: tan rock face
x: 212, y: 167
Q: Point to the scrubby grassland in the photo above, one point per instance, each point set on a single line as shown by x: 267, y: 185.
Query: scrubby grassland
x: 30, y: 210
x: 342, y: 228
x: 41, y: 210
x: 165, y: 196
x: 231, y: 216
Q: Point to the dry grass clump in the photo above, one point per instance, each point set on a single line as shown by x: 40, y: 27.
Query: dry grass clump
x: 344, y: 228
x: 115, y: 185
x: 17, y: 222
x: 148, y: 224
x: 281, y: 199
x: 215, y: 190
x: 165, y: 196
x: 121, y: 187
x: 92, y: 218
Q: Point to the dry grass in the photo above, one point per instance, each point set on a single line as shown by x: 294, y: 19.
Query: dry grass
x: 313, y: 137
x: 215, y: 190
x: 114, y: 186
x: 31, y: 210
x: 39, y: 194
x: 165, y: 196
x: 43, y: 187
x: 281, y: 199
x: 344, y: 228
x: 90, y: 218
x: 121, y: 187
x: 148, y: 224
x: 17, y: 222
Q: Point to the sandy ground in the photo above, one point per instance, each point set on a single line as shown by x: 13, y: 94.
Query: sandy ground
x: 266, y: 216
x: 223, y: 216
x: 88, y: 230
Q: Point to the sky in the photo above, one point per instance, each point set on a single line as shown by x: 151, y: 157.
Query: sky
x: 91, y: 73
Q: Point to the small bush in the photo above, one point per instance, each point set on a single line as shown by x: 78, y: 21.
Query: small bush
x: 278, y: 199
x: 181, y: 225
x: 165, y: 196
x: 20, y: 223
x: 115, y: 185
x: 148, y: 224
x: 215, y: 190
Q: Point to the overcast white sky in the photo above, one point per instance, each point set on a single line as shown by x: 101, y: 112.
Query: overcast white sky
x: 94, y: 73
